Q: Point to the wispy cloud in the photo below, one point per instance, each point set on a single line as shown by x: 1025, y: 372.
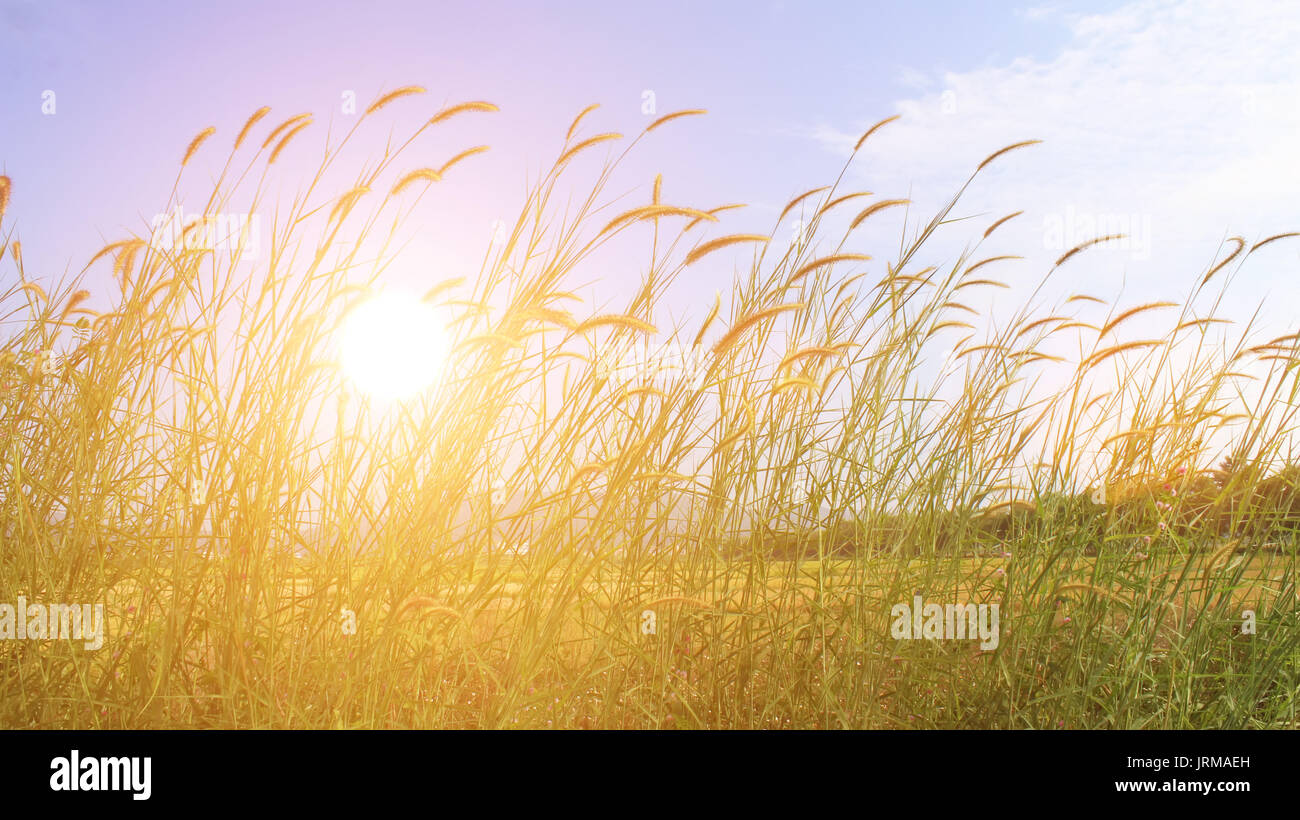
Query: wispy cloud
x: 1180, y: 113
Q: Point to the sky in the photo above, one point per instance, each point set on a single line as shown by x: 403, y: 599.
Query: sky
x: 1175, y: 120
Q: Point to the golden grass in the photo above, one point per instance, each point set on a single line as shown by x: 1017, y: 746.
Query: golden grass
x: 198, y: 140
x: 718, y: 244
x: 667, y: 118
x: 200, y: 464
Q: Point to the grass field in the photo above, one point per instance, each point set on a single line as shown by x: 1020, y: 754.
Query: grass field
x: 293, y: 523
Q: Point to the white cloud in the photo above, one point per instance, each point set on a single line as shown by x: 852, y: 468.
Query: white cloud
x: 1181, y: 113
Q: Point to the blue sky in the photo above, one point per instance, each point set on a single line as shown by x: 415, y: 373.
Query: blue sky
x: 1180, y: 116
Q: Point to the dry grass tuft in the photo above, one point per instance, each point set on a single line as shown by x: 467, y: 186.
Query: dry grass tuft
x: 196, y: 142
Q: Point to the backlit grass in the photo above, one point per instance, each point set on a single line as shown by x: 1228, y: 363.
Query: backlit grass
x: 546, y: 537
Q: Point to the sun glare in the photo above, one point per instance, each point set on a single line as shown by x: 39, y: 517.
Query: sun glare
x: 393, y: 346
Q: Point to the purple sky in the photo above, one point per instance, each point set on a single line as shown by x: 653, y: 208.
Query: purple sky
x: 1179, y: 116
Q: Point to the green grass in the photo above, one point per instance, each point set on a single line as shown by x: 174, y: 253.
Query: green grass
x: 197, y: 465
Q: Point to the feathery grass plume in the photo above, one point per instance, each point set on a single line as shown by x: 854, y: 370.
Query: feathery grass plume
x: 823, y: 262
x: 733, y: 335
x: 712, y: 212
x: 125, y: 260
x: 346, y: 202
x: 1044, y: 357
x: 573, y: 126
x: 877, y: 208
x: 959, y: 306
x: 982, y: 263
x: 1104, y: 354
x: 948, y: 324
x: 1072, y: 251
x: 196, y: 142
x: 1046, y: 320
x: 708, y: 320
x: 847, y: 282
x: 1288, y: 340
x: 794, y: 203
x: 5, y: 185
x: 971, y: 283
x: 405, y: 91
x: 842, y: 306
x: 426, y: 174
x: 585, y: 144
x: 745, y: 430
x: 287, y: 124
x: 16, y: 251
x: 1000, y: 222
x: 988, y: 348
x: 812, y: 352
x: 1273, y: 238
x: 1209, y: 320
x: 831, y: 375
x: 556, y: 317
x: 111, y: 247
x: 77, y: 298
x: 284, y: 141
x: 248, y: 126
x: 1241, y: 243
x: 468, y: 152
x: 1271, y: 347
x: 873, y: 129
x: 690, y: 112
x: 1080, y: 325
x: 35, y: 291
x: 442, y: 287
x: 658, y: 189
x: 1290, y: 360
x: 461, y: 108
x: 722, y: 242
x: 796, y: 382
x: 619, y: 320
x: 654, y: 212
x: 841, y: 199
x: 1094, y: 400
x: 921, y: 277
x: 1131, y: 312
x: 1083, y: 297
x: 193, y: 227
x: 159, y: 288
x: 1007, y: 150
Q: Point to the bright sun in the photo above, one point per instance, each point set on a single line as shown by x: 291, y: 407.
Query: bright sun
x: 393, y: 346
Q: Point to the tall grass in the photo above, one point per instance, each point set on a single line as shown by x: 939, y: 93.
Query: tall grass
x: 712, y: 548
